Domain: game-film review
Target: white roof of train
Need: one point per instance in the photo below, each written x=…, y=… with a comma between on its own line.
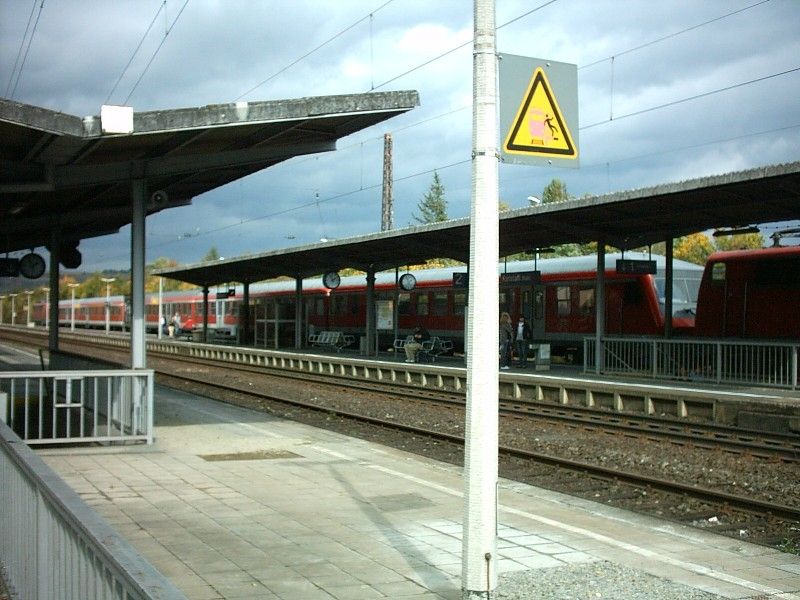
x=561, y=264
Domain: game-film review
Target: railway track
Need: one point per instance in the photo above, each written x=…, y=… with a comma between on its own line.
x=716, y=497
x=708, y=500
x=768, y=445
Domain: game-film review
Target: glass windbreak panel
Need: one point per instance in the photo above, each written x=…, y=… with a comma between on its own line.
x=404, y=304
x=339, y=304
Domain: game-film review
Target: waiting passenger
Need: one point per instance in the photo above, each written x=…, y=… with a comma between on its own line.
x=506, y=339
x=522, y=340
x=413, y=346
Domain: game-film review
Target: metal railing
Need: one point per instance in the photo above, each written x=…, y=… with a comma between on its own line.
x=708, y=361
x=52, y=545
x=78, y=407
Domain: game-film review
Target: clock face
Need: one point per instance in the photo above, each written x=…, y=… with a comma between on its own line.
x=31, y=266
x=408, y=282
x=331, y=280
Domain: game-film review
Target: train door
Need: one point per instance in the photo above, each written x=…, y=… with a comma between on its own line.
x=536, y=317
x=220, y=309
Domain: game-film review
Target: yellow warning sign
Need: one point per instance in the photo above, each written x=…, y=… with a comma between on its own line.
x=539, y=127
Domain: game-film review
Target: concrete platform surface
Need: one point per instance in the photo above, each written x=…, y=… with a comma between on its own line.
x=230, y=503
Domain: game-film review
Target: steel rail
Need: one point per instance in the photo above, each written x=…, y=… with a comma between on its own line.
x=767, y=445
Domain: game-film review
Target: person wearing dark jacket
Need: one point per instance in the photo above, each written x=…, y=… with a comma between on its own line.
x=523, y=339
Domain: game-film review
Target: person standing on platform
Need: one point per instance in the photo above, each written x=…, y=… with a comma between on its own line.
x=506, y=335
x=522, y=340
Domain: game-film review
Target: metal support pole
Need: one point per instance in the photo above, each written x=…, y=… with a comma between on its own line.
x=668, y=277
x=138, y=345
x=298, y=312
x=479, y=548
x=244, y=315
x=205, y=314
x=370, y=349
x=160, y=307
x=600, y=309
x=72, y=307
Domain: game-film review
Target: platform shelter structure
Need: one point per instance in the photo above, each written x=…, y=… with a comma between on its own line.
x=625, y=220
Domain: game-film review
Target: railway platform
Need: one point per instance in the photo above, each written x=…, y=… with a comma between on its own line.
x=230, y=503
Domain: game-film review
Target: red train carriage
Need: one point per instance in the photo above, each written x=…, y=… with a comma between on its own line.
x=751, y=294
x=560, y=306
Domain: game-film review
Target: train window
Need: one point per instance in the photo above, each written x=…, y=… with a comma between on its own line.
x=586, y=301
x=422, y=304
x=718, y=271
x=319, y=307
x=439, y=306
x=563, y=300
x=354, y=302
x=459, y=303
x=404, y=304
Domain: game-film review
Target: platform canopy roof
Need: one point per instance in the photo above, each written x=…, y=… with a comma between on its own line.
x=66, y=172
x=625, y=220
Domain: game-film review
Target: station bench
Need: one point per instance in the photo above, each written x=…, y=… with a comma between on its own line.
x=331, y=339
x=431, y=348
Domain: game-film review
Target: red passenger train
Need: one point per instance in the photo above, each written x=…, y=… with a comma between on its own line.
x=751, y=294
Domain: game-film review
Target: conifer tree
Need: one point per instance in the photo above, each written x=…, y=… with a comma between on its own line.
x=433, y=206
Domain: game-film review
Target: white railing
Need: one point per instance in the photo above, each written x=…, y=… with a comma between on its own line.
x=711, y=361
x=78, y=407
x=52, y=545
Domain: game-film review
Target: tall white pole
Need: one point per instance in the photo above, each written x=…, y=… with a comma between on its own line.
x=72, y=308
x=13, y=308
x=480, y=560
x=46, y=308
x=108, y=281
x=28, y=320
x=2, y=298
x=160, y=305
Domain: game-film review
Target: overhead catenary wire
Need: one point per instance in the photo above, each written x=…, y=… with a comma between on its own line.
x=27, y=50
x=152, y=58
x=317, y=48
x=161, y=7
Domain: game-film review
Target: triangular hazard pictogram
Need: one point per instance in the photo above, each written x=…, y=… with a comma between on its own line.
x=538, y=127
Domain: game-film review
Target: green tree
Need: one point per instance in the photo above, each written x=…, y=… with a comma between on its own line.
x=555, y=191
x=212, y=254
x=433, y=206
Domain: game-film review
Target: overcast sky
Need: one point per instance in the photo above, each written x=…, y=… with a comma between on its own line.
x=694, y=89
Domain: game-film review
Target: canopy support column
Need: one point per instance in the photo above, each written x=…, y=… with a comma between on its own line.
x=138, y=346
x=370, y=349
x=600, y=308
x=298, y=312
x=205, y=314
x=52, y=316
x=669, y=276
x=244, y=316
